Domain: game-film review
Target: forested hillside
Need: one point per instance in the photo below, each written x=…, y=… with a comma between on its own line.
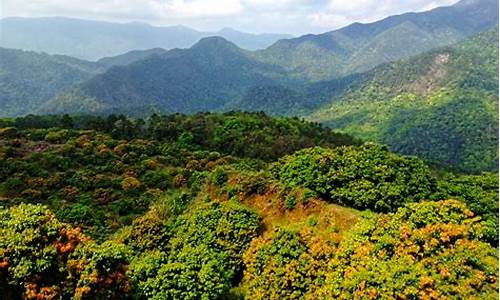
x=205, y=77
x=29, y=79
x=233, y=206
x=360, y=47
x=441, y=105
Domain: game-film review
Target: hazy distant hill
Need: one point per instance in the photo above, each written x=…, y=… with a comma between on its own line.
x=29, y=79
x=129, y=57
x=441, y=105
x=93, y=40
x=204, y=77
x=360, y=47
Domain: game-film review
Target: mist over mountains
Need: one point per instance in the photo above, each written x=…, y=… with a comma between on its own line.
x=93, y=40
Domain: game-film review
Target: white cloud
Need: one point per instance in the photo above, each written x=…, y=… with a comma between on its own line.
x=292, y=16
x=197, y=8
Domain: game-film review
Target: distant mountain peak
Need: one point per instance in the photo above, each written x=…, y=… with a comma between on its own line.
x=228, y=30
x=214, y=42
x=471, y=2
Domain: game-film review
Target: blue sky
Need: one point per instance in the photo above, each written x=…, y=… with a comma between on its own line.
x=284, y=16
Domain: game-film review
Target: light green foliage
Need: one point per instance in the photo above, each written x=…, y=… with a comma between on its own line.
x=287, y=265
x=170, y=188
x=427, y=250
x=204, y=254
x=41, y=258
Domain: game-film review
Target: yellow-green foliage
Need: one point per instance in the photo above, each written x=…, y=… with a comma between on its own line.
x=42, y=258
x=288, y=264
x=204, y=254
x=428, y=250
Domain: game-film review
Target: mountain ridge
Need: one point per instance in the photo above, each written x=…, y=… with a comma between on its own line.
x=78, y=38
x=337, y=53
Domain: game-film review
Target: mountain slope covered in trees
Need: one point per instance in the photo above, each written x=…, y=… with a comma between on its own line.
x=219, y=76
x=441, y=105
x=204, y=77
x=360, y=47
x=29, y=79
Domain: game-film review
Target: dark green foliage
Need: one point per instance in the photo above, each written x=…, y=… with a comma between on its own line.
x=167, y=196
x=29, y=79
x=252, y=135
x=290, y=202
x=219, y=177
x=103, y=179
x=221, y=70
x=462, y=133
x=366, y=177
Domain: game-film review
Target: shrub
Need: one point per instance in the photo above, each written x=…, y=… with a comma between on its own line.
x=367, y=177
x=290, y=202
x=204, y=254
x=425, y=250
x=286, y=265
x=219, y=176
x=130, y=184
x=480, y=192
x=42, y=258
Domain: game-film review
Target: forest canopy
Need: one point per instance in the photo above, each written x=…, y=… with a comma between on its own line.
x=233, y=206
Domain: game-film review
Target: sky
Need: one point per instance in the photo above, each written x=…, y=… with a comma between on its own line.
x=279, y=16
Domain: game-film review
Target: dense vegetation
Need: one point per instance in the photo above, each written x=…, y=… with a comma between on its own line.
x=441, y=106
x=366, y=177
x=29, y=79
x=100, y=181
x=232, y=206
x=423, y=251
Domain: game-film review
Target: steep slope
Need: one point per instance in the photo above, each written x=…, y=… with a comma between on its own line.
x=441, y=105
x=203, y=78
x=93, y=40
x=129, y=57
x=360, y=47
x=29, y=79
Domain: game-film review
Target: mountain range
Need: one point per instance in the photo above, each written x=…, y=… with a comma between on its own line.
x=424, y=83
x=360, y=47
x=93, y=40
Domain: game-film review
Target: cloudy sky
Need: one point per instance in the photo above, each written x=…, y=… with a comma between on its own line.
x=285, y=16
